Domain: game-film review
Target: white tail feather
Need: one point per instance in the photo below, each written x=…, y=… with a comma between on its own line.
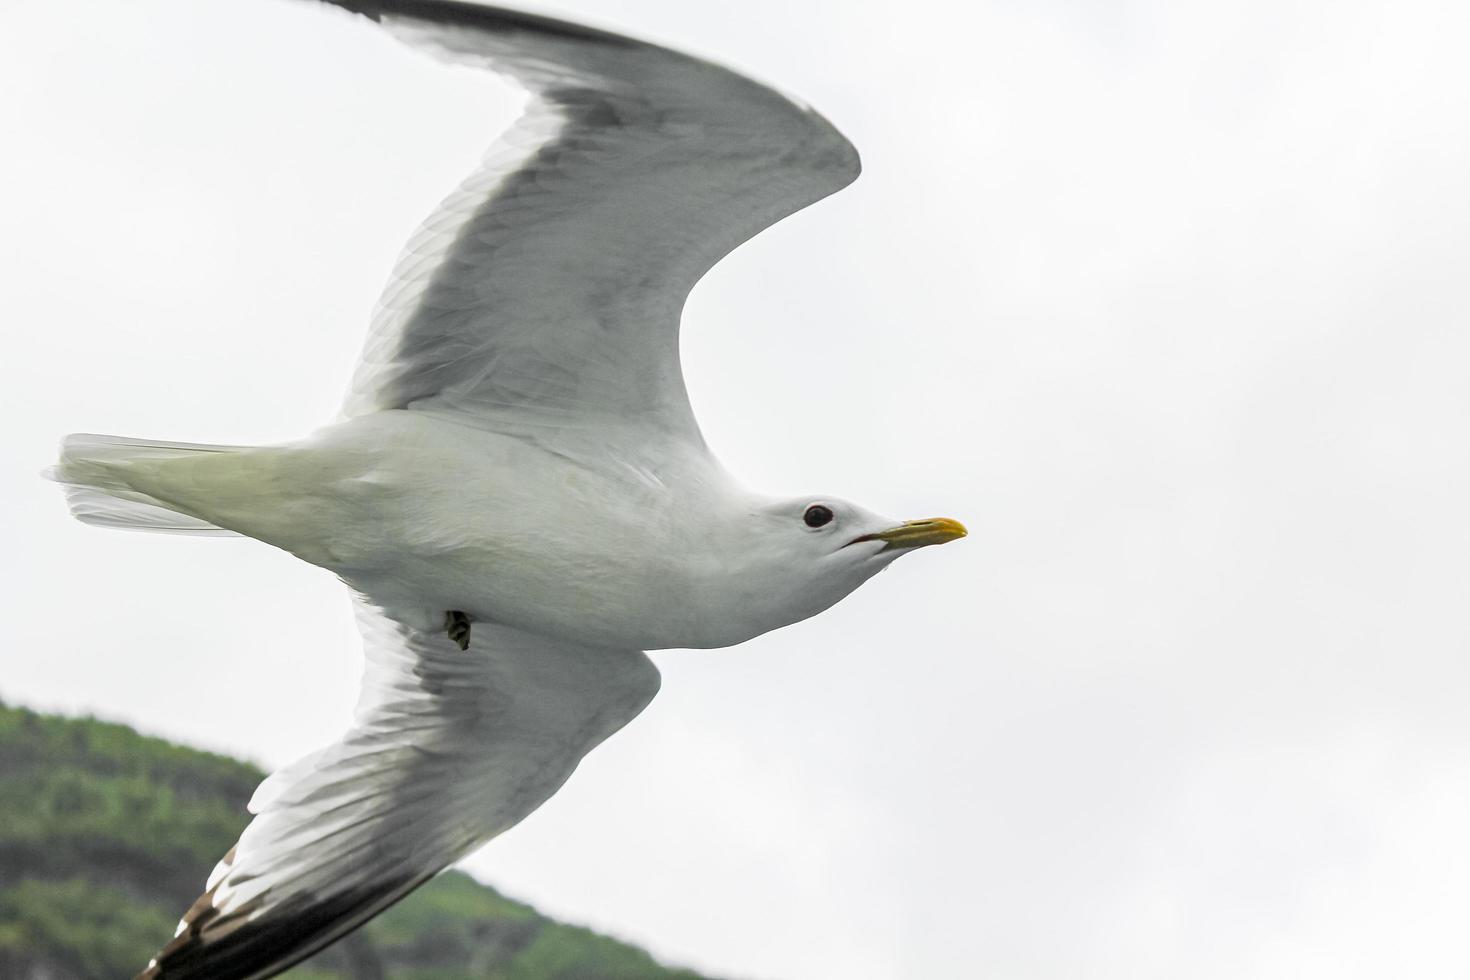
x=92, y=471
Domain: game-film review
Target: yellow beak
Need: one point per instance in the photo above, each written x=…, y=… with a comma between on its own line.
x=917, y=534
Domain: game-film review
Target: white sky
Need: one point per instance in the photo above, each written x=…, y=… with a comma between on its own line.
x=1167, y=301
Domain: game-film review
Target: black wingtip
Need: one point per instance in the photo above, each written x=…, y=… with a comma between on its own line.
x=243, y=947
x=364, y=8
x=480, y=16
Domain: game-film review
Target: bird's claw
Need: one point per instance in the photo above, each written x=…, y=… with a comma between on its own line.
x=457, y=625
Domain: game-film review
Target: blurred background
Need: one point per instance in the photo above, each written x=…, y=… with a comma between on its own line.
x=1168, y=302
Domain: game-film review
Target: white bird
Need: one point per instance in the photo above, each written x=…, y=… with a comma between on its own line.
x=517, y=491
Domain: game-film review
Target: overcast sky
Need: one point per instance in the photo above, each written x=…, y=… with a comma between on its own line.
x=1167, y=301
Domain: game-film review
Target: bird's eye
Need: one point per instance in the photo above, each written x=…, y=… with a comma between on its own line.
x=816, y=515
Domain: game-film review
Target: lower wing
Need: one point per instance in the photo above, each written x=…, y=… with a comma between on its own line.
x=449, y=748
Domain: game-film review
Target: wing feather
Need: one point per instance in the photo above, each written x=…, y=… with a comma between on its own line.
x=448, y=749
x=543, y=297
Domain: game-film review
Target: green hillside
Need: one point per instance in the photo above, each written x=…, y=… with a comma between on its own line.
x=106, y=837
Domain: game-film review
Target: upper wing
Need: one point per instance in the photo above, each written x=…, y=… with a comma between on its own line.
x=545, y=293
x=448, y=749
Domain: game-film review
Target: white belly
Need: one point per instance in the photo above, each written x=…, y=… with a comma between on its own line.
x=419, y=512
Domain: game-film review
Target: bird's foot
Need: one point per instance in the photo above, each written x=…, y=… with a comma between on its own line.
x=457, y=625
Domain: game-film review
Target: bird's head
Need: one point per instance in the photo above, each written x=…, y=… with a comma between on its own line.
x=793, y=558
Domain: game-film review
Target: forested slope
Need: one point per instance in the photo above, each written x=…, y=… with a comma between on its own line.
x=106, y=836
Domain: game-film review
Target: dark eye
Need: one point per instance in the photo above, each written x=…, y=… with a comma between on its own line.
x=816, y=515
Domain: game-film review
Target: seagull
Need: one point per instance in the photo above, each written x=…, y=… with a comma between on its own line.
x=517, y=492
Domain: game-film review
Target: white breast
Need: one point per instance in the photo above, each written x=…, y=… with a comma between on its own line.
x=430, y=513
